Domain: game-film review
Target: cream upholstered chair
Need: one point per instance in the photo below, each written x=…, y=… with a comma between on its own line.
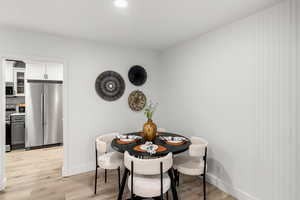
x=193, y=164
x=105, y=158
x=148, y=177
x=161, y=130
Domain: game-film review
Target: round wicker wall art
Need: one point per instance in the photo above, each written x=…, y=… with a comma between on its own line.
x=110, y=85
x=137, y=75
x=137, y=100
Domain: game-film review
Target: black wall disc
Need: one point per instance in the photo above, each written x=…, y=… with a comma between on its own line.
x=137, y=75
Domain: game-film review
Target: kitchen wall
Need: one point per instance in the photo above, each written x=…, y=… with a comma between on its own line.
x=236, y=87
x=88, y=115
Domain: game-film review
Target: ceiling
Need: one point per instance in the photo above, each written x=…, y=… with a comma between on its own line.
x=153, y=24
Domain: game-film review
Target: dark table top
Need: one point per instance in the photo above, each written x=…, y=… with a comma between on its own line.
x=170, y=148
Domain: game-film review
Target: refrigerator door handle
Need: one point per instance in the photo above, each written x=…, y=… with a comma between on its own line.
x=44, y=114
x=42, y=109
x=44, y=117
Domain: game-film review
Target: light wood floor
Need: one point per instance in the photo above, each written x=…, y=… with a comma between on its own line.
x=36, y=175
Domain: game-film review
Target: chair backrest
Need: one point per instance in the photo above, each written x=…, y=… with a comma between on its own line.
x=148, y=166
x=198, y=146
x=161, y=130
x=103, y=142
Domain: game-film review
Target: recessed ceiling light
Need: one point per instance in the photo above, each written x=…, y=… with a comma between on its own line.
x=121, y=3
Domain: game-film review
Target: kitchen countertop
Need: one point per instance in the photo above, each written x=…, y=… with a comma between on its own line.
x=18, y=114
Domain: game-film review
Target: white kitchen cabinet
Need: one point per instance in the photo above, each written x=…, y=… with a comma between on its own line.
x=35, y=71
x=44, y=71
x=9, y=74
x=54, y=71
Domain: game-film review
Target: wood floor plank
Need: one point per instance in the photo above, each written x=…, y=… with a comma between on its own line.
x=36, y=175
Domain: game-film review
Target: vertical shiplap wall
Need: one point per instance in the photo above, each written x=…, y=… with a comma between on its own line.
x=276, y=110
x=237, y=87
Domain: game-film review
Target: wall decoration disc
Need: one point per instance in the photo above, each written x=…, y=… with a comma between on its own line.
x=137, y=75
x=110, y=85
x=137, y=100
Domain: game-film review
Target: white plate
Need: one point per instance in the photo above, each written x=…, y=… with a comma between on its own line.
x=127, y=139
x=174, y=141
x=148, y=147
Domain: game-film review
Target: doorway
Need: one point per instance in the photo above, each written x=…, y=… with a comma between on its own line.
x=34, y=123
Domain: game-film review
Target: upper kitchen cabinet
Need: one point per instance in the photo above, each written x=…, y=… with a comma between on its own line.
x=35, y=70
x=54, y=71
x=44, y=71
x=19, y=81
x=9, y=74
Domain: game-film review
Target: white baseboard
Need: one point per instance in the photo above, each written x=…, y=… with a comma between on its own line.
x=79, y=169
x=228, y=188
x=3, y=184
x=64, y=172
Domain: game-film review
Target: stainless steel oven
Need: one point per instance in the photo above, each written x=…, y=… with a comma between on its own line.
x=10, y=109
x=8, y=136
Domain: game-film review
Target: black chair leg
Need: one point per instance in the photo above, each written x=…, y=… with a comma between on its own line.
x=96, y=176
x=105, y=175
x=177, y=178
x=167, y=194
x=204, y=187
x=119, y=180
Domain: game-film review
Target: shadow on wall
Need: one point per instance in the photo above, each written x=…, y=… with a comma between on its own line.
x=221, y=176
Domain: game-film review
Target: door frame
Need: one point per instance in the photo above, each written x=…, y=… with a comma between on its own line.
x=3, y=57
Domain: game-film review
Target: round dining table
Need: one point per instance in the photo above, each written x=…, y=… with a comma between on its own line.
x=166, y=147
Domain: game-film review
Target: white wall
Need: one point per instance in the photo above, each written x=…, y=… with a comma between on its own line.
x=236, y=87
x=88, y=115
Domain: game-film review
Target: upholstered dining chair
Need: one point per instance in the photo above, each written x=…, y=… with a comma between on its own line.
x=106, y=158
x=148, y=177
x=193, y=164
x=161, y=130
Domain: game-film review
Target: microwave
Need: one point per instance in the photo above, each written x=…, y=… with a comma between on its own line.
x=9, y=90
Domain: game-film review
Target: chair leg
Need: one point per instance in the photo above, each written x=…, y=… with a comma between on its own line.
x=177, y=178
x=167, y=194
x=96, y=176
x=105, y=180
x=204, y=187
x=119, y=181
x=132, y=173
x=161, y=182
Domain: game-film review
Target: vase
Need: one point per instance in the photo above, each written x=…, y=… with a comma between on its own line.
x=150, y=130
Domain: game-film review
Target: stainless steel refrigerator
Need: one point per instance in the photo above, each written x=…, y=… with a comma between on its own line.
x=44, y=124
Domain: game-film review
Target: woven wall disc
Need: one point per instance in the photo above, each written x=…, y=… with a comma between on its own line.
x=110, y=85
x=137, y=100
